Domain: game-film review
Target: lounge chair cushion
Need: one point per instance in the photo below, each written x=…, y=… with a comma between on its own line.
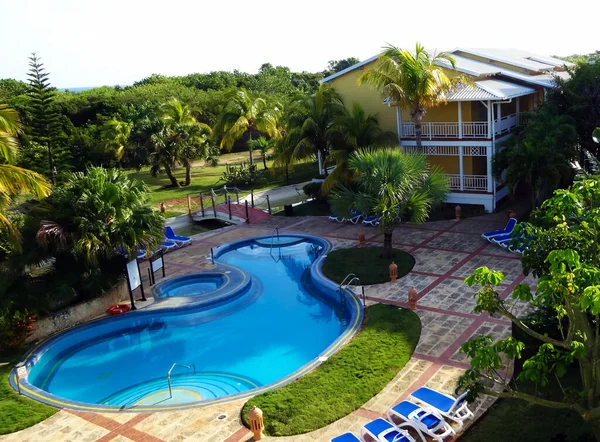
x=405, y=408
x=346, y=437
x=379, y=426
x=434, y=398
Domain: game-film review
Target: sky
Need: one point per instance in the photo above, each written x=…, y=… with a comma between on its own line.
x=94, y=43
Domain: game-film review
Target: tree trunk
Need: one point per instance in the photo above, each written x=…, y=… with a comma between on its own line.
x=265, y=161
x=287, y=172
x=418, y=132
x=188, y=174
x=50, y=163
x=323, y=158
x=169, y=173
x=250, y=148
x=387, y=242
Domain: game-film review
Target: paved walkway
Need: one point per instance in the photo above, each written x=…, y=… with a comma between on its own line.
x=445, y=252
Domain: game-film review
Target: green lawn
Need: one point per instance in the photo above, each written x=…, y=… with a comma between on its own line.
x=206, y=177
x=366, y=263
x=310, y=208
x=347, y=380
x=18, y=412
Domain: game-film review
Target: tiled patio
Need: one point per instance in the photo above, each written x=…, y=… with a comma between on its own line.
x=445, y=252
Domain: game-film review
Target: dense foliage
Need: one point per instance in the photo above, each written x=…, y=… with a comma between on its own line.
x=562, y=241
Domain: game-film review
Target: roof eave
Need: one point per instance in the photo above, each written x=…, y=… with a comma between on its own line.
x=349, y=69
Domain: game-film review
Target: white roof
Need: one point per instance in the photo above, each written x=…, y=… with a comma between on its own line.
x=491, y=89
x=545, y=66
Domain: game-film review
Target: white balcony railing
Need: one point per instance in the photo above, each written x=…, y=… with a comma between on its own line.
x=429, y=130
x=477, y=183
x=505, y=124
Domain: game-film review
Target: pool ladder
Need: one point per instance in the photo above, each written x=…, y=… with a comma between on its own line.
x=193, y=366
x=275, y=231
x=348, y=281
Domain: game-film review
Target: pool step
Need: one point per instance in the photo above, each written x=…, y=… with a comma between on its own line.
x=186, y=388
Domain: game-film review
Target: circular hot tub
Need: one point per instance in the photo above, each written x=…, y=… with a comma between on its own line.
x=191, y=285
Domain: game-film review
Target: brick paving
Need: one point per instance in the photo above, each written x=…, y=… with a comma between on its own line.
x=445, y=253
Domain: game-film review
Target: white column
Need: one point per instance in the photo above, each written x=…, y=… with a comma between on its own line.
x=499, y=117
x=518, y=110
x=399, y=124
x=460, y=121
x=461, y=168
x=489, y=150
x=321, y=172
x=489, y=115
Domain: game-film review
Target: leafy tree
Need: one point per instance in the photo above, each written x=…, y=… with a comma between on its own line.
x=245, y=113
x=562, y=243
x=14, y=179
x=262, y=145
x=310, y=121
x=10, y=89
x=396, y=186
x=45, y=119
x=579, y=98
x=415, y=81
x=339, y=65
x=540, y=155
x=350, y=132
x=93, y=214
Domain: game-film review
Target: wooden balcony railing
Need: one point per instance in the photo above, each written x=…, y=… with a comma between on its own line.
x=430, y=130
x=477, y=183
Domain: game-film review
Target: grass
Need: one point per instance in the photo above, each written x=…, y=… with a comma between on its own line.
x=18, y=412
x=366, y=263
x=310, y=208
x=511, y=419
x=347, y=380
x=206, y=177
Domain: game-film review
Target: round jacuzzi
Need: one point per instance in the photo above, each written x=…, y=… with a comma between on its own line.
x=191, y=285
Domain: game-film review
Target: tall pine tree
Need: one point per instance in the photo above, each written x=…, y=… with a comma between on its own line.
x=45, y=118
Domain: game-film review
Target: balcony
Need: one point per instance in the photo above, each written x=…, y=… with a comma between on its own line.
x=474, y=183
x=455, y=130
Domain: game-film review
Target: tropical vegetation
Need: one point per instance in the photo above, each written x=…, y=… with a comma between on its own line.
x=393, y=185
x=562, y=251
x=347, y=380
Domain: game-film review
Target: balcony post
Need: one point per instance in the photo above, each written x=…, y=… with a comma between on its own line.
x=460, y=121
x=490, y=182
x=489, y=119
x=399, y=124
x=461, y=168
x=499, y=118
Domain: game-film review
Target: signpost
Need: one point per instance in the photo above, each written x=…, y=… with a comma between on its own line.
x=157, y=262
x=134, y=280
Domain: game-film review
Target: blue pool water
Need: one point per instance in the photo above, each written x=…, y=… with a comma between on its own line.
x=192, y=285
x=282, y=321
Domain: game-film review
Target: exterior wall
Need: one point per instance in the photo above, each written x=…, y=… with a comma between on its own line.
x=370, y=100
x=79, y=313
x=447, y=163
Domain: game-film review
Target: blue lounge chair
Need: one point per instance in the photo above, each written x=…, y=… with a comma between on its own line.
x=141, y=253
x=346, y=437
x=448, y=406
x=505, y=239
x=510, y=225
x=355, y=217
x=180, y=240
x=372, y=220
x=336, y=218
x=427, y=421
x=168, y=245
x=383, y=431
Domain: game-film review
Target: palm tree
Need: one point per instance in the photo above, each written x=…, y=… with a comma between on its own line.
x=416, y=81
x=396, y=186
x=311, y=119
x=14, y=179
x=284, y=153
x=262, y=145
x=244, y=113
x=184, y=130
x=352, y=131
x=165, y=152
x=115, y=134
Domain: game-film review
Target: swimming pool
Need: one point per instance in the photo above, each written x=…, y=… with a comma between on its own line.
x=276, y=318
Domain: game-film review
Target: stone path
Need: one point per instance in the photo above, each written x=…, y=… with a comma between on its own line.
x=445, y=253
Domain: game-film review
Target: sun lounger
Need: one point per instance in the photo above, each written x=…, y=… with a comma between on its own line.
x=372, y=220
x=355, y=218
x=180, y=240
x=510, y=225
x=168, y=245
x=448, y=406
x=383, y=431
x=346, y=437
x=428, y=421
x=141, y=253
x=336, y=218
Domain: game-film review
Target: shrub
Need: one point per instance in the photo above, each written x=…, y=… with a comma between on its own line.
x=313, y=190
x=242, y=175
x=14, y=328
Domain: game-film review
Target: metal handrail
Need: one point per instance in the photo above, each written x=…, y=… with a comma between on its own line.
x=349, y=275
x=169, y=376
x=349, y=283
x=275, y=230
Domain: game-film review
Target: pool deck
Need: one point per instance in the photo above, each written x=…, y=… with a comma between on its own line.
x=445, y=253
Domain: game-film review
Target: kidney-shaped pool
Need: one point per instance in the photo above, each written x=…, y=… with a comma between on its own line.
x=277, y=318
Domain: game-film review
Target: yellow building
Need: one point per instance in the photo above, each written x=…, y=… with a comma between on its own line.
x=462, y=135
